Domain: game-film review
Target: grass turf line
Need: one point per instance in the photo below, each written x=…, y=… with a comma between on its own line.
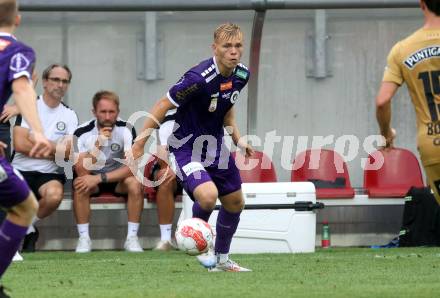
x=342, y=272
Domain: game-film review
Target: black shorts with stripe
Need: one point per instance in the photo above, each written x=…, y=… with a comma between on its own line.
x=36, y=179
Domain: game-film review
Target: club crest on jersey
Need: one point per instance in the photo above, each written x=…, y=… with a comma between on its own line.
x=115, y=147
x=61, y=126
x=4, y=44
x=213, y=104
x=234, y=96
x=19, y=63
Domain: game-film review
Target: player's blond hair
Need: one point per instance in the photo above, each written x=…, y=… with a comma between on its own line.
x=8, y=11
x=227, y=31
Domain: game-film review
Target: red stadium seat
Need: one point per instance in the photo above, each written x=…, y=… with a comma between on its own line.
x=323, y=165
x=257, y=168
x=150, y=192
x=400, y=171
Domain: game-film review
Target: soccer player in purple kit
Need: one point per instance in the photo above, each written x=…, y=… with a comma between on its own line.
x=205, y=98
x=16, y=64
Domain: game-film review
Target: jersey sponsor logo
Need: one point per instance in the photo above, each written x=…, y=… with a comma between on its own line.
x=421, y=55
x=213, y=104
x=211, y=77
x=241, y=74
x=19, y=63
x=61, y=126
x=4, y=44
x=115, y=147
x=3, y=174
x=206, y=71
x=192, y=167
x=181, y=95
x=226, y=86
x=234, y=96
x=226, y=95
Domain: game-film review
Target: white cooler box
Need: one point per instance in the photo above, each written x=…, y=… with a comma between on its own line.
x=278, y=218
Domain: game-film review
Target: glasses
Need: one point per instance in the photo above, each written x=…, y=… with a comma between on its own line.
x=58, y=80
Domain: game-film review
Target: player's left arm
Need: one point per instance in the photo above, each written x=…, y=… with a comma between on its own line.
x=23, y=142
x=383, y=111
x=231, y=126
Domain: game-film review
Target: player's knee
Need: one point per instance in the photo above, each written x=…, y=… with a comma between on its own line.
x=54, y=194
x=234, y=206
x=134, y=187
x=207, y=199
x=26, y=210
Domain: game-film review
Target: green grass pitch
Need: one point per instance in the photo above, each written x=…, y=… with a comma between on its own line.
x=339, y=272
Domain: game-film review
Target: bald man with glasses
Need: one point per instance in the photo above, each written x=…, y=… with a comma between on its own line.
x=45, y=178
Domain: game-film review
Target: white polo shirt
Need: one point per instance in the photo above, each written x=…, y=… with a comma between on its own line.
x=123, y=134
x=57, y=123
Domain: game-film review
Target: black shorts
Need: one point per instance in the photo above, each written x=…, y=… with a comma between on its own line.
x=36, y=179
x=110, y=187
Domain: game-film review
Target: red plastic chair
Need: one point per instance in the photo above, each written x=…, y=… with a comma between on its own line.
x=257, y=168
x=400, y=170
x=325, y=165
x=150, y=192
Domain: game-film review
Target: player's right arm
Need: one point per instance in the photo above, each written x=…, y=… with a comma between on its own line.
x=157, y=114
x=24, y=96
x=383, y=111
x=392, y=79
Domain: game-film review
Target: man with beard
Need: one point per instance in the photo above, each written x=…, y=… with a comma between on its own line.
x=100, y=143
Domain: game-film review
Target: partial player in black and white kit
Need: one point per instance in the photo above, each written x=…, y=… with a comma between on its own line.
x=168, y=188
x=101, y=143
x=43, y=175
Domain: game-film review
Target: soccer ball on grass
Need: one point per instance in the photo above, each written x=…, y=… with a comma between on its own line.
x=194, y=236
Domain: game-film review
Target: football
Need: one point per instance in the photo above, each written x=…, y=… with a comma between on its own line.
x=194, y=236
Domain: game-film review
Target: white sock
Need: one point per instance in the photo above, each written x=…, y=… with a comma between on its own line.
x=133, y=228
x=165, y=232
x=83, y=230
x=31, y=228
x=222, y=258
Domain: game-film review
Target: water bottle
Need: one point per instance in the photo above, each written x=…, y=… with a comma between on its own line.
x=325, y=239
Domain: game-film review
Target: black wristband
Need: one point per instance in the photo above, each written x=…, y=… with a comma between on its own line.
x=103, y=178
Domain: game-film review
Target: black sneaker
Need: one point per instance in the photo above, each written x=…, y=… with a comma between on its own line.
x=30, y=240
x=2, y=293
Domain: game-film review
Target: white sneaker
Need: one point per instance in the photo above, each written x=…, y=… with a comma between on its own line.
x=17, y=257
x=208, y=259
x=84, y=245
x=164, y=245
x=228, y=266
x=132, y=244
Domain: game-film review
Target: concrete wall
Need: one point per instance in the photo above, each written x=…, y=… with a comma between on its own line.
x=100, y=48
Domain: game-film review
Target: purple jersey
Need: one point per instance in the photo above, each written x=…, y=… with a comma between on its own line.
x=203, y=97
x=16, y=60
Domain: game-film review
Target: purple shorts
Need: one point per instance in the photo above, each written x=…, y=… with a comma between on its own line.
x=13, y=189
x=192, y=173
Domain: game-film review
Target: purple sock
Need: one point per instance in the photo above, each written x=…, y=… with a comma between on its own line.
x=10, y=238
x=226, y=226
x=200, y=213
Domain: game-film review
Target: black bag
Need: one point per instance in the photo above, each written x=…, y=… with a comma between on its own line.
x=421, y=219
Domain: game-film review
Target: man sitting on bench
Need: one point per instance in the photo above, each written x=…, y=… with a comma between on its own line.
x=100, y=142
